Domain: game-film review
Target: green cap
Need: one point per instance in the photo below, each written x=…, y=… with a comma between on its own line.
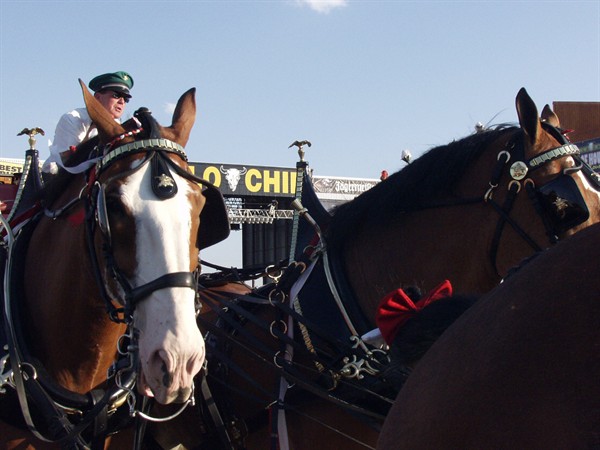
x=117, y=81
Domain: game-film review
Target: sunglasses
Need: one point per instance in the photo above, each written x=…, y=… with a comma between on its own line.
x=117, y=95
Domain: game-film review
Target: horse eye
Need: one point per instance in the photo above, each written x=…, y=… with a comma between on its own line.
x=114, y=206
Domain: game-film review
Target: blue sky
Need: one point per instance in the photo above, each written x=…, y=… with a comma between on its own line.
x=362, y=80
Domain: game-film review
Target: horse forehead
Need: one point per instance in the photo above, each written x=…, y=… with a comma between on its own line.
x=136, y=193
x=545, y=142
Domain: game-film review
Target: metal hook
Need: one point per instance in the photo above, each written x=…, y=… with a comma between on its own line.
x=569, y=170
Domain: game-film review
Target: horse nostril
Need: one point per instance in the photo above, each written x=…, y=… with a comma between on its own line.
x=194, y=364
x=162, y=359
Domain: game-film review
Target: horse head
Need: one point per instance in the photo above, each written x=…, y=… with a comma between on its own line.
x=466, y=211
x=563, y=190
x=148, y=210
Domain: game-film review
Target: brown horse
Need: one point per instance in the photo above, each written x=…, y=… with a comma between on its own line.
x=464, y=212
x=520, y=369
x=468, y=212
x=104, y=283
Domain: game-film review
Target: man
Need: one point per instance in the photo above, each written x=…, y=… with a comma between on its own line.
x=112, y=90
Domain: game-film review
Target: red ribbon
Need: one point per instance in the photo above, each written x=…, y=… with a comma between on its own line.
x=397, y=308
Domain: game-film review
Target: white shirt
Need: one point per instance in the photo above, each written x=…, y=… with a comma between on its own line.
x=72, y=129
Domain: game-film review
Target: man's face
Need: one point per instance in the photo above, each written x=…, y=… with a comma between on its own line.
x=113, y=102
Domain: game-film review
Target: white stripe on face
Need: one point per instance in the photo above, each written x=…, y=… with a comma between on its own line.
x=590, y=194
x=171, y=346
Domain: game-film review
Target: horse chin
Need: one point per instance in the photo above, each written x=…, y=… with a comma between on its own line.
x=162, y=395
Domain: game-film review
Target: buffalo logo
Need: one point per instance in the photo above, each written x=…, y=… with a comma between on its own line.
x=233, y=176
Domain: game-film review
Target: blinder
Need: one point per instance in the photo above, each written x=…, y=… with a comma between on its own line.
x=102, y=212
x=561, y=198
x=214, y=220
x=563, y=203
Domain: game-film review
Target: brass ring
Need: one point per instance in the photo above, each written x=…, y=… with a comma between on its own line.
x=277, y=355
x=504, y=152
x=512, y=183
x=271, y=327
x=272, y=296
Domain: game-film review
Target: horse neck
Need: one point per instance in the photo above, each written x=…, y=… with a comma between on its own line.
x=423, y=247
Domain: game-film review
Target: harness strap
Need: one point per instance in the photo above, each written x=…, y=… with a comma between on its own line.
x=55, y=213
x=100, y=427
x=26, y=384
x=90, y=228
x=506, y=208
x=540, y=210
x=295, y=378
x=141, y=424
x=552, y=154
x=590, y=174
x=140, y=146
x=503, y=158
x=214, y=414
x=169, y=280
x=291, y=375
x=250, y=339
x=515, y=226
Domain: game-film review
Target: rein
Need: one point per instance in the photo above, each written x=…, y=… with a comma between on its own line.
x=235, y=312
x=342, y=368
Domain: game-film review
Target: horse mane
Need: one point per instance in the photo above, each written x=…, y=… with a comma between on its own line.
x=434, y=175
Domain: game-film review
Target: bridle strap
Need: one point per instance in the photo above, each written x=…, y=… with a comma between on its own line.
x=133, y=295
x=552, y=154
x=530, y=188
x=504, y=213
x=169, y=280
x=140, y=146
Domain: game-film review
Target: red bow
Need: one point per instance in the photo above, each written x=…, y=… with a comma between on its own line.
x=396, y=308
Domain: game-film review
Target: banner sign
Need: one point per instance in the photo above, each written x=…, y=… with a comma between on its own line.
x=246, y=180
x=590, y=152
x=339, y=188
x=9, y=166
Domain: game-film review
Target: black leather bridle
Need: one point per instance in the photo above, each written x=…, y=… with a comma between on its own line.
x=559, y=202
x=156, y=151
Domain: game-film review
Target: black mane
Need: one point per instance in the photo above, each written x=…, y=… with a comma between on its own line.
x=432, y=176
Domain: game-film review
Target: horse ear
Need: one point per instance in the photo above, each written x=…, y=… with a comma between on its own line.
x=106, y=124
x=550, y=117
x=528, y=116
x=183, y=119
